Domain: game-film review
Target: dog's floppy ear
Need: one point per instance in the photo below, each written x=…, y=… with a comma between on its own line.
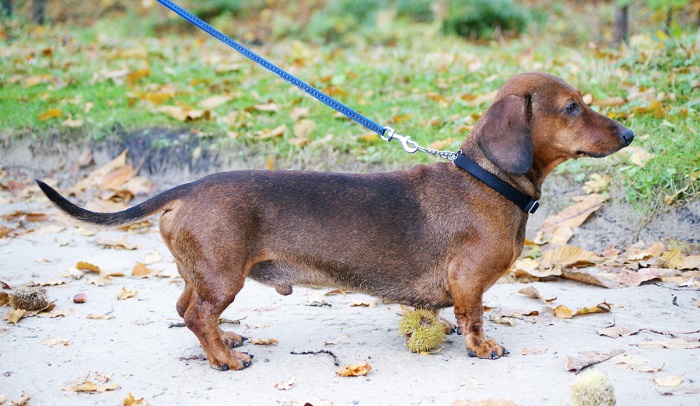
x=504, y=135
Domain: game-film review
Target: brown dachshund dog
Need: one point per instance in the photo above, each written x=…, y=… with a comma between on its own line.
x=431, y=237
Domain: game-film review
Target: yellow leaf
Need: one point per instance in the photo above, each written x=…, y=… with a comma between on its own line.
x=369, y=137
x=597, y=183
x=442, y=144
x=354, y=370
x=14, y=315
x=133, y=76
x=563, y=312
x=271, y=163
x=131, y=401
x=690, y=262
x=126, y=294
x=269, y=341
x=672, y=259
x=50, y=113
x=142, y=271
x=670, y=381
x=156, y=97
x=600, y=308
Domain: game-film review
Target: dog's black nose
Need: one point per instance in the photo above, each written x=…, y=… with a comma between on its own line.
x=628, y=136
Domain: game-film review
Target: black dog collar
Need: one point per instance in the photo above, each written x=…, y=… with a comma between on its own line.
x=525, y=202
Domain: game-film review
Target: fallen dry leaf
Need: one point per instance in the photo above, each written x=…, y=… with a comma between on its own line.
x=599, y=308
x=95, y=177
x=638, y=156
x=637, y=363
x=670, y=381
x=130, y=400
x=617, y=331
x=341, y=339
x=22, y=400
x=51, y=342
x=499, y=318
x=142, y=271
x=214, y=101
x=15, y=315
x=568, y=255
x=592, y=276
x=52, y=313
x=674, y=344
x=597, y=183
x=360, y=369
x=558, y=229
x=563, y=312
x=93, y=383
x=363, y=303
x=86, y=266
x=532, y=292
x=534, y=351
x=99, y=316
x=126, y=294
x=120, y=244
x=269, y=341
x=285, y=385
x=50, y=113
x=586, y=359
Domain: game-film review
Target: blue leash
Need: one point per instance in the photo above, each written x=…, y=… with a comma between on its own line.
x=386, y=133
x=525, y=202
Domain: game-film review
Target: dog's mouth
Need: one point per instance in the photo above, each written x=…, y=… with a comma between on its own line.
x=587, y=154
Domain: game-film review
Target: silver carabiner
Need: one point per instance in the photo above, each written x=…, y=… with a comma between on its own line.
x=407, y=143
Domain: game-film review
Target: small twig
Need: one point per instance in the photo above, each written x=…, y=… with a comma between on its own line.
x=335, y=359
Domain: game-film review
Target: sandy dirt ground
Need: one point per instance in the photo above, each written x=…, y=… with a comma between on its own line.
x=146, y=356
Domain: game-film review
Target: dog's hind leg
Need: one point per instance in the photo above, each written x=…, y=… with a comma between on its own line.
x=202, y=318
x=232, y=340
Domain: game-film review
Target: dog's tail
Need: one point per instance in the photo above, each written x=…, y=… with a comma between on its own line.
x=131, y=215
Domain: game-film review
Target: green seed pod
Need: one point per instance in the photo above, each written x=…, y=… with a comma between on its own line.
x=592, y=388
x=29, y=298
x=422, y=329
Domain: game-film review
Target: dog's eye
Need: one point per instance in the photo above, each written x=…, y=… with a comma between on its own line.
x=571, y=108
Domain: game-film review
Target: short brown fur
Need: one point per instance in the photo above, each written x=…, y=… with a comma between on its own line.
x=431, y=236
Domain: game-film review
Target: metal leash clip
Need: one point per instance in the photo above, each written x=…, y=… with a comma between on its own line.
x=408, y=144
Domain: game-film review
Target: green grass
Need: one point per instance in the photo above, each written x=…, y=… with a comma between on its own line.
x=418, y=81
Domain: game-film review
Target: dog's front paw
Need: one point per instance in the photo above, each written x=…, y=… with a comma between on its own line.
x=489, y=349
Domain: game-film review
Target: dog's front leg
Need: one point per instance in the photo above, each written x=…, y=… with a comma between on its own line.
x=467, y=289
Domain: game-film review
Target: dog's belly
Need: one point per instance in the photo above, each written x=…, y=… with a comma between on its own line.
x=283, y=275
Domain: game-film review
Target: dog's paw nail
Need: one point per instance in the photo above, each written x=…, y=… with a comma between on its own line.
x=224, y=367
x=244, y=339
x=506, y=352
x=471, y=353
x=246, y=364
x=494, y=355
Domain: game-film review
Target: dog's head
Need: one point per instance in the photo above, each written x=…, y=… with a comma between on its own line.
x=539, y=121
